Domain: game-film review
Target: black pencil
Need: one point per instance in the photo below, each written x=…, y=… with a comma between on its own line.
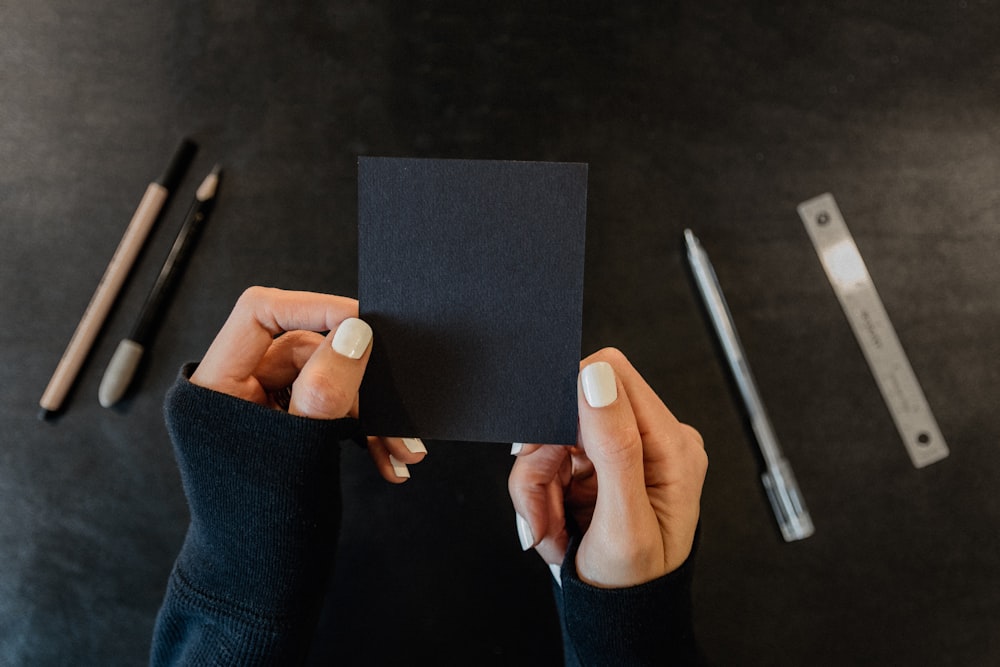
x=127, y=356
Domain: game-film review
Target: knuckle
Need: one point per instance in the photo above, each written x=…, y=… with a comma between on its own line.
x=689, y=451
x=259, y=302
x=320, y=396
x=694, y=435
x=698, y=453
x=620, y=447
x=255, y=299
x=254, y=294
x=515, y=482
x=523, y=479
x=632, y=554
x=701, y=464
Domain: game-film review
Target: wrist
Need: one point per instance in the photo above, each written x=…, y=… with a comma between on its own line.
x=263, y=491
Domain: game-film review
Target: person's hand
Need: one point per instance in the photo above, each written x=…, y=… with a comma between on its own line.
x=631, y=487
x=269, y=352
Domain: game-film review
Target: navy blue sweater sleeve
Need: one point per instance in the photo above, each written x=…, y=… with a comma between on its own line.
x=649, y=624
x=264, y=496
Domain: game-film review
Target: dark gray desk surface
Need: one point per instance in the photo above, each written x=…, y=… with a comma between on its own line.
x=721, y=116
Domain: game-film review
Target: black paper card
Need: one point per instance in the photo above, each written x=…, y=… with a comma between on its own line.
x=471, y=276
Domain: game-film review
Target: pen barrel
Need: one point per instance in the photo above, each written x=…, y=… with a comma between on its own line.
x=167, y=279
x=767, y=441
x=779, y=481
x=725, y=330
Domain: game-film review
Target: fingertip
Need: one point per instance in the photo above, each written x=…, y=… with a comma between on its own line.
x=415, y=445
x=524, y=533
x=406, y=451
x=352, y=338
x=600, y=387
x=399, y=469
x=391, y=468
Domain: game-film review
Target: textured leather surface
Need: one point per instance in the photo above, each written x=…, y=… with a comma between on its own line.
x=720, y=116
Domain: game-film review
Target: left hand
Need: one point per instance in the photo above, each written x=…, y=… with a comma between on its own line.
x=270, y=343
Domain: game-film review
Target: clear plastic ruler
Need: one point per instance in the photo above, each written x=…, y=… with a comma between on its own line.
x=878, y=340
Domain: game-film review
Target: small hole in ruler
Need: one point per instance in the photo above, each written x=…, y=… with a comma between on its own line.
x=823, y=218
x=924, y=438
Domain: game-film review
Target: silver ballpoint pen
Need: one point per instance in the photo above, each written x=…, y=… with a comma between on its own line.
x=779, y=482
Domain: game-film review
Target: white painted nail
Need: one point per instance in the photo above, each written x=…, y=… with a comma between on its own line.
x=399, y=468
x=556, y=571
x=352, y=338
x=515, y=448
x=524, y=533
x=599, y=388
x=415, y=445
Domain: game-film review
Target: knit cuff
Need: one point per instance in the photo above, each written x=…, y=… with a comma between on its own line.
x=639, y=625
x=264, y=494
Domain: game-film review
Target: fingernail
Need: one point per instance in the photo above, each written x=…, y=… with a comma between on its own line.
x=515, y=448
x=399, y=468
x=599, y=388
x=352, y=338
x=414, y=445
x=556, y=571
x=524, y=533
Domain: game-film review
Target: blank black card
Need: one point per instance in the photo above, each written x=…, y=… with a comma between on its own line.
x=471, y=276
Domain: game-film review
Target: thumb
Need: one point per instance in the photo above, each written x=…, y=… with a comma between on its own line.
x=610, y=435
x=622, y=544
x=327, y=386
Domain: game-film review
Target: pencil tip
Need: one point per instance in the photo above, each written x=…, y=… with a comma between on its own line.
x=208, y=187
x=43, y=414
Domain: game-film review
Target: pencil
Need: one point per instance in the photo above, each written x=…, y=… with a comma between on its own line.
x=129, y=352
x=143, y=220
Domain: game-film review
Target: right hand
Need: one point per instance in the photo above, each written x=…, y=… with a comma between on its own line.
x=632, y=485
